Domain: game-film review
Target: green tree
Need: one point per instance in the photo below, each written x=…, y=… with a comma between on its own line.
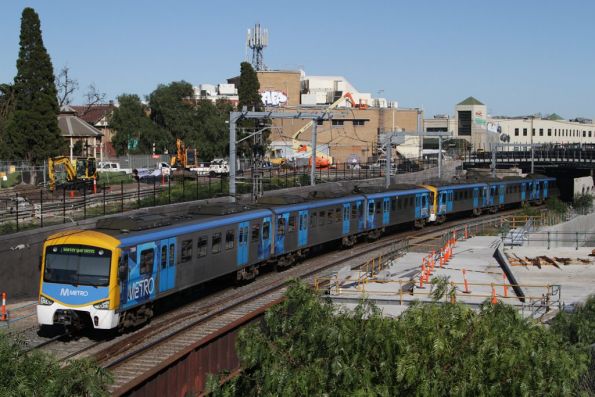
x=305, y=346
x=249, y=96
x=32, y=131
x=172, y=110
x=248, y=88
x=39, y=374
x=134, y=131
x=6, y=110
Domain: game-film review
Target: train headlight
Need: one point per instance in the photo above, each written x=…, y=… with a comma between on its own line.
x=102, y=305
x=45, y=301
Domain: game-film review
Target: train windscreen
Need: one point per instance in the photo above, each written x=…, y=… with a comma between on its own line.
x=77, y=265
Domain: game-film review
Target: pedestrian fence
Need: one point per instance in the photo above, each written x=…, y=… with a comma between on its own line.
x=16, y=313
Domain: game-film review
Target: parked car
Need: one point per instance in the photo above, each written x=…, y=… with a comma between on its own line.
x=111, y=166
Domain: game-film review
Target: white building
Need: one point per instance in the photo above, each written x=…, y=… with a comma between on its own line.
x=324, y=90
x=472, y=123
x=217, y=92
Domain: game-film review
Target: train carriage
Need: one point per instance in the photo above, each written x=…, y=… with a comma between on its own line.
x=110, y=277
x=399, y=204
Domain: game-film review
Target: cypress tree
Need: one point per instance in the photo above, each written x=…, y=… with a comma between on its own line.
x=32, y=131
x=248, y=88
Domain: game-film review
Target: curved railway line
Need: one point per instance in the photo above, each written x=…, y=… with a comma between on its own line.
x=131, y=356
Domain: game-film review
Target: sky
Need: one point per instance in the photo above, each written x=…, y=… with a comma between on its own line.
x=517, y=57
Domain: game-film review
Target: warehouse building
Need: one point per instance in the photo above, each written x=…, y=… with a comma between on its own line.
x=352, y=133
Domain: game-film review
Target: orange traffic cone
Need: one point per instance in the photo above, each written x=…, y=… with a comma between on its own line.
x=494, y=300
x=465, y=283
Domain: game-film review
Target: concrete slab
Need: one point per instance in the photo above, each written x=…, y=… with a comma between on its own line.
x=576, y=281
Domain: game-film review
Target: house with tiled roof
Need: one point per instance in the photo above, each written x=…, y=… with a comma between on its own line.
x=98, y=116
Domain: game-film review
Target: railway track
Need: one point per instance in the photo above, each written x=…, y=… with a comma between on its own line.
x=147, y=348
x=145, y=351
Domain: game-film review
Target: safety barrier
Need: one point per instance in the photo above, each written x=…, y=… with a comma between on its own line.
x=3, y=313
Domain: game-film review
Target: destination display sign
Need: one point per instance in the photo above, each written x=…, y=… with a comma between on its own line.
x=78, y=250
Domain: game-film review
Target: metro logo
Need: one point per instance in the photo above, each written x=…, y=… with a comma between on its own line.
x=141, y=289
x=72, y=292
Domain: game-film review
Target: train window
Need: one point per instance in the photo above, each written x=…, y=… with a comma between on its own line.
x=353, y=211
x=378, y=209
x=337, y=215
x=146, y=261
x=216, y=243
x=163, y=256
x=399, y=206
x=186, y=250
x=172, y=254
x=281, y=226
x=371, y=208
x=291, y=224
x=313, y=220
x=202, y=246
x=255, y=232
x=321, y=218
x=411, y=201
x=329, y=216
x=466, y=196
x=393, y=204
x=265, y=231
x=230, y=237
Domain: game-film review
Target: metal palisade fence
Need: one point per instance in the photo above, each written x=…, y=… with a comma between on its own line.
x=26, y=206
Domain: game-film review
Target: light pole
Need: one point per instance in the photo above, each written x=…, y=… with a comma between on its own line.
x=532, y=150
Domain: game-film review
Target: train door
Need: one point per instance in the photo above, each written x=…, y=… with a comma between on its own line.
x=142, y=269
x=346, y=214
x=242, y=249
x=417, y=206
x=385, y=210
x=264, y=246
x=501, y=191
x=523, y=191
x=371, y=212
x=360, y=216
x=449, y=201
x=167, y=264
x=282, y=220
x=537, y=190
x=545, y=192
x=303, y=228
x=493, y=194
x=425, y=201
x=484, y=197
x=475, y=197
x=441, y=203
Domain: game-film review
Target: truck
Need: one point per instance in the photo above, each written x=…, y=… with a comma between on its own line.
x=112, y=166
x=219, y=167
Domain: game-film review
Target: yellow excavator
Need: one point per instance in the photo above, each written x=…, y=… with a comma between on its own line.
x=322, y=160
x=185, y=158
x=81, y=171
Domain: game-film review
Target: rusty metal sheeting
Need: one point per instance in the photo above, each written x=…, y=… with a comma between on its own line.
x=186, y=372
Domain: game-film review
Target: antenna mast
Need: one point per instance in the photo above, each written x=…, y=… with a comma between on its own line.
x=257, y=39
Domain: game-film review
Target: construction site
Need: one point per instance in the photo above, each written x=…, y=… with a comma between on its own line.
x=534, y=264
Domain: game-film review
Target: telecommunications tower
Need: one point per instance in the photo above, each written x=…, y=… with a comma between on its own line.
x=257, y=39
